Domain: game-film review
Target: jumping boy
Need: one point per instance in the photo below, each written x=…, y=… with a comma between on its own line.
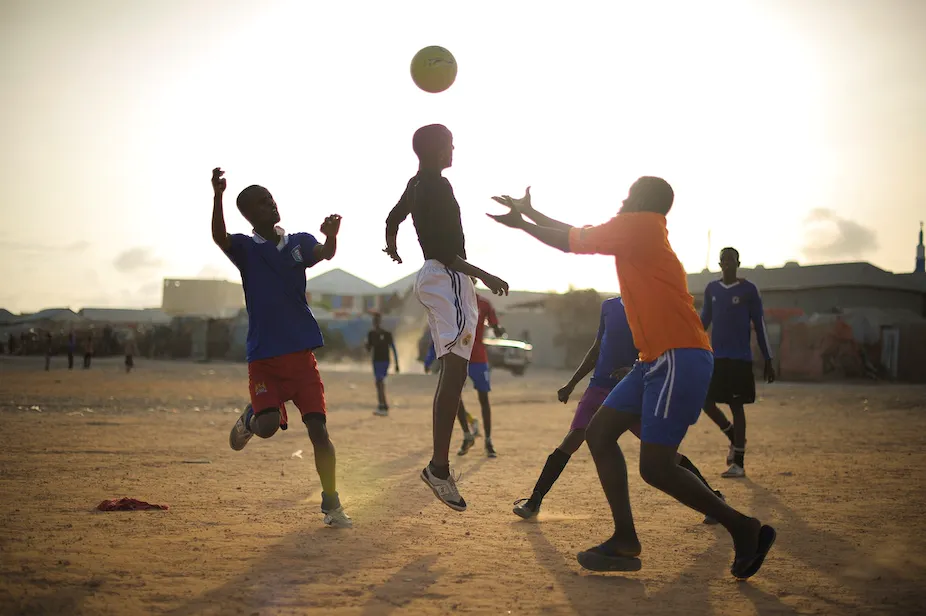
x=665, y=389
x=730, y=304
x=282, y=331
x=612, y=356
x=445, y=287
x=380, y=342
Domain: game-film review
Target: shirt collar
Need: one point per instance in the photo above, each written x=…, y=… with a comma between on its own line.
x=281, y=233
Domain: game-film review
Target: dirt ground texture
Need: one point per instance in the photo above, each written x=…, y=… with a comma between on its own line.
x=838, y=469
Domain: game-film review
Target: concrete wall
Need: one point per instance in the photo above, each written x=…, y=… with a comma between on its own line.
x=210, y=298
x=824, y=300
x=542, y=330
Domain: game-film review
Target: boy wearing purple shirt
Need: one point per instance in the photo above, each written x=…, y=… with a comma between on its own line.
x=731, y=304
x=282, y=331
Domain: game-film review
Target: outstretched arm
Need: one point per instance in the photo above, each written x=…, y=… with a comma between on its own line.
x=219, y=233
x=555, y=238
x=525, y=206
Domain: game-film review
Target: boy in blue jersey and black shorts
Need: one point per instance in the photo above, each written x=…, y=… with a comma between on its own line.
x=730, y=305
x=612, y=356
x=282, y=331
x=380, y=342
x=445, y=287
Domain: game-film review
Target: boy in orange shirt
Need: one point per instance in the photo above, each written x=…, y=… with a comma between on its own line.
x=666, y=387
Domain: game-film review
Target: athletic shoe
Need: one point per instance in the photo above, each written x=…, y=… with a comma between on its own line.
x=474, y=427
x=526, y=508
x=381, y=412
x=337, y=518
x=468, y=442
x=734, y=472
x=490, y=450
x=240, y=435
x=444, y=489
x=708, y=519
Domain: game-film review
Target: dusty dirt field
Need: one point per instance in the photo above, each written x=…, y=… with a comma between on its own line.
x=840, y=470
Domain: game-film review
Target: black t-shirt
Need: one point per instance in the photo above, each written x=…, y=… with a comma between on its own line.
x=429, y=198
x=381, y=342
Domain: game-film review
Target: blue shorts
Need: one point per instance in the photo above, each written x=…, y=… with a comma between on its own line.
x=380, y=368
x=479, y=373
x=667, y=394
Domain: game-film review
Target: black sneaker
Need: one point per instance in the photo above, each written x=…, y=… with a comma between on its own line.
x=468, y=442
x=490, y=450
x=526, y=508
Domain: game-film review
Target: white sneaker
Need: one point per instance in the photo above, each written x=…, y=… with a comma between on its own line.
x=337, y=518
x=474, y=428
x=381, y=412
x=444, y=489
x=240, y=435
x=734, y=472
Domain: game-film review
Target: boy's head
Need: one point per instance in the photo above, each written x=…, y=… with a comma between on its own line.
x=433, y=145
x=377, y=320
x=649, y=194
x=729, y=261
x=257, y=206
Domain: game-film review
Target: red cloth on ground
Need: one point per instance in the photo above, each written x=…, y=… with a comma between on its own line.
x=128, y=504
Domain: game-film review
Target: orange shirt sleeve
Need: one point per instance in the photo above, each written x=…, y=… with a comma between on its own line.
x=631, y=232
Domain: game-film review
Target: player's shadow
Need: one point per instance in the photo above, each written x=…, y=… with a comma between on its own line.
x=587, y=594
x=407, y=584
x=63, y=601
x=303, y=556
x=835, y=555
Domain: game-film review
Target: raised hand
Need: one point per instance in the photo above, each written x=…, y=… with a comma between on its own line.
x=331, y=225
x=511, y=219
x=523, y=204
x=218, y=182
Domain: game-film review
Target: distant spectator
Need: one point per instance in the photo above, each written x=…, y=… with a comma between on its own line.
x=72, y=345
x=48, y=351
x=88, y=351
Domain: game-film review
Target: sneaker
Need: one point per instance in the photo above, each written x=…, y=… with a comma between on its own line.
x=337, y=518
x=734, y=472
x=526, y=508
x=474, y=426
x=490, y=450
x=444, y=489
x=240, y=434
x=468, y=442
x=708, y=519
x=382, y=412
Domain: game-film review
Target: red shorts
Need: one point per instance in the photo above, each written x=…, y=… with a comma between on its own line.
x=293, y=377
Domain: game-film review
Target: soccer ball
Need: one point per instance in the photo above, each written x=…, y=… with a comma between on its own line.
x=434, y=69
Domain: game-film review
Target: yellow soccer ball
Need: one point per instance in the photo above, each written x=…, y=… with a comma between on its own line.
x=434, y=69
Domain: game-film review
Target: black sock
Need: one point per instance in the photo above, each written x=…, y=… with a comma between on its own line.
x=738, y=455
x=556, y=462
x=440, y=471
x=330, y=502
x=689, y=466
x=729, y=432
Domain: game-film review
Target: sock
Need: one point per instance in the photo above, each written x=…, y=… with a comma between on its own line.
x=330, y=502
x=738, y=454
x=441, y=472
x=247, y=419
x=729, y=432
x=689, y=466
x=556, y=462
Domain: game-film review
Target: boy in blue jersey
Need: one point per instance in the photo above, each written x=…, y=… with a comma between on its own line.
x=282, y=331
x=612, y=356
x=730, y=305
x=380, y=342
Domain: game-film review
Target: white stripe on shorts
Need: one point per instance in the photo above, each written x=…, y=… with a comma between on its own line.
x=668, y=384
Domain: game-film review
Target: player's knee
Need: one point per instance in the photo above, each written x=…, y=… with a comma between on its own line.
x=597, y=435
x=266, y=423
x=318, y=430
x=654, y=471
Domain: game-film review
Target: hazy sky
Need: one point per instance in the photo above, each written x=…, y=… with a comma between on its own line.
x=791, y=129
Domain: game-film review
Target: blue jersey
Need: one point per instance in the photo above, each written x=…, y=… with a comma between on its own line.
x=279, y=319
x=616, y=348
x=730, y=309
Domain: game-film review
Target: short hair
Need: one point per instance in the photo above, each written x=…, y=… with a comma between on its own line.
x=246, y=195
x=657, y=194
x=428, y=139
x=733, y=250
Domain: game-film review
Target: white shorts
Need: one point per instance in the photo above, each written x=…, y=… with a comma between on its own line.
x=450, y=298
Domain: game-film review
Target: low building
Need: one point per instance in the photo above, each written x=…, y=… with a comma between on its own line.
x=217, y=299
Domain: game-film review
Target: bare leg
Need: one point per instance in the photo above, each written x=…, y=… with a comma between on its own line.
x=381, y=393
x=461, y=417
x=602, y=434
x=739, y=433
x=446, y=405
x=325, y=461
x=486, y=413
x=718, y=417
